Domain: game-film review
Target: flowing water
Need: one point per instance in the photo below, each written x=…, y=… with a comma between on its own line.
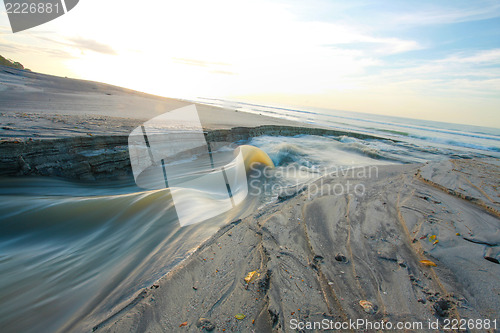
x=430, y=137
x=72, y=253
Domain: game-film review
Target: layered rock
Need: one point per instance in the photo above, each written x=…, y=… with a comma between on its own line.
x=106, y=157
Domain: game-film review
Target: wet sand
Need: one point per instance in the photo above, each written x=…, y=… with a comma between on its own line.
x=318, y=254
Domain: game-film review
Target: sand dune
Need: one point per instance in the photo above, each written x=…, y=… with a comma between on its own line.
x=35, y=106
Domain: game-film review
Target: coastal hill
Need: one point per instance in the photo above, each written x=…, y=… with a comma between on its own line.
x=10, y=63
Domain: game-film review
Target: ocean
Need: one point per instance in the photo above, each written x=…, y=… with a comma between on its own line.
x=73, y=252
x=421, y=140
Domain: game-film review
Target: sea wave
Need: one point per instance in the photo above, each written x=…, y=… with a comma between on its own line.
x=456, y=143
x=287, y=153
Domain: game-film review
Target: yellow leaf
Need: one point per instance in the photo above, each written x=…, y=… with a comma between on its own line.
x=428, y=263
x=432, y=238
x=251, y=276
x=240, y=316
x=368, y=306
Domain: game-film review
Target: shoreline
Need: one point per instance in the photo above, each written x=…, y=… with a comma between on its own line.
x=75, y=129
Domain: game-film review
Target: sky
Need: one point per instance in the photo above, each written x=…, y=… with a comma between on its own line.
x=435, y=60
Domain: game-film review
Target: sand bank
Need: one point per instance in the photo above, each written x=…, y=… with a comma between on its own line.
x=319, y=254
x=42, y=106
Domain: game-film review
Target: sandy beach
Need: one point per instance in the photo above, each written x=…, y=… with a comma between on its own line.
x=35, y=106
x=319, y=254
x=250, y=166
x=385, y=242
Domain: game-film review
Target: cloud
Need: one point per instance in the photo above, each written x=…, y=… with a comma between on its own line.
x=4, y=29
x=10, y=44
x=471, y=74
x=91, y=45
x=82, y=44
x=480, y=57
x=11, y=48
x=379, y=46
x=447, y=15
